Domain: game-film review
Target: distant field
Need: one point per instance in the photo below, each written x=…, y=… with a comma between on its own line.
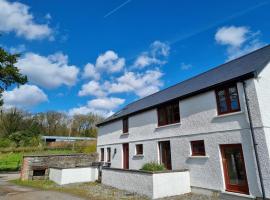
x=11, y=161
x=11, y=158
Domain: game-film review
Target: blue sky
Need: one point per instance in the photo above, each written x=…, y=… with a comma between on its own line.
x=98, y=56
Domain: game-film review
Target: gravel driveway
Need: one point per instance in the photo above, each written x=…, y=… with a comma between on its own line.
x=9, y=191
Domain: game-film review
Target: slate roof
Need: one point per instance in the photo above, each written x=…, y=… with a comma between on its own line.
x=241, y=68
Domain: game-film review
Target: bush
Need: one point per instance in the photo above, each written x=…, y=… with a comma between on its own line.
x=153, y=167
x=5, y=142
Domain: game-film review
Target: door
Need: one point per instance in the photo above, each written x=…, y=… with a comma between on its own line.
x=234, y=168
x=165, y=154
x=126, y=156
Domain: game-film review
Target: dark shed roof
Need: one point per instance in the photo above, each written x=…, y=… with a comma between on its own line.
x=239, y=69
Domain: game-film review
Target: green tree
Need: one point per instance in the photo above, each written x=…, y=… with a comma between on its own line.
x=9, y=73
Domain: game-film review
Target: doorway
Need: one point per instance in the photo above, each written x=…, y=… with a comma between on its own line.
x=234, y=168
x=165, y=154
x=126, y=156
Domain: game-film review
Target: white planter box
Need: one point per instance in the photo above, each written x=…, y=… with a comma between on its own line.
x=73, y=175
x=153, y=185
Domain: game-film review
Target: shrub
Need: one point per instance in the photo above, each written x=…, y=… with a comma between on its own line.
x=5, y=142
x=153, y=167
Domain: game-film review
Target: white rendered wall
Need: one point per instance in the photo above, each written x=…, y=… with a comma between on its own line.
x=170, y=184
x=262, y=85
x=199, y=120
x=133, y=182
x=152, y=185
x=73, y=175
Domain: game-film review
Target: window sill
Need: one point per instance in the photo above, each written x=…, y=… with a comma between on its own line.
x=229, y=114
x=169, y=125
x=124, y=135
x=139, y=156
x=204, y=157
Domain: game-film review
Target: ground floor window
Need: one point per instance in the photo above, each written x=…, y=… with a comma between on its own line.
x=197, y=148
x=108, y=154
x=139, y=149
x=102, y=154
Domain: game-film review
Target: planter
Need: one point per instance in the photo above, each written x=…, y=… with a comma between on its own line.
x=154, y=185
x=63, y=176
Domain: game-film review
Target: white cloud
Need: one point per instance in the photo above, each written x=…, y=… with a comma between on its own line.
x=17, y=49
x=144, y=60
x=90, y=72
x=110, y=62
x=142, y=84
x=231, y=35
x=50, y=72
x=239, y=40
x=25, y=96
x=185, y=66
x=159, y=48
x=84, y=110
x=92, y=88
x=15, y=17
x=105, y=103
x=155, y=56
x=101, y=106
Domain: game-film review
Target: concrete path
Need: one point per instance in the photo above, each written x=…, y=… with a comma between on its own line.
x=9, y=191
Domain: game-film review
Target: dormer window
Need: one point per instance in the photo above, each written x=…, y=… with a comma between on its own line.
x=168, y=114
x=227, y=100
x=125, y=125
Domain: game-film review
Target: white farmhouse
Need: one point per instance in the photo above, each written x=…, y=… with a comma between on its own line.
x=216, y=125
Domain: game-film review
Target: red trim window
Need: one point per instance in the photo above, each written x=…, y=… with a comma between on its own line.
x=108, y=154
x=125, y=125
x=227, y=99
x=139, y=149
x=102, y=154
x=168, y=114
x=197, y=148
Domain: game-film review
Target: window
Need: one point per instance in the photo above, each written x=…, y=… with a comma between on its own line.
x=102, y=154
x=197, y=148
x=39, y=172
x=125, y=125
x=227, y=100
x=108, y=154
x=139, y=149
x=168, y=114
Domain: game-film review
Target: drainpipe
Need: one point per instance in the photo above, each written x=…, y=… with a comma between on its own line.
x=255, y=144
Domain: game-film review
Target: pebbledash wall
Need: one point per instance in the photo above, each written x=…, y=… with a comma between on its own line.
x=199, y=121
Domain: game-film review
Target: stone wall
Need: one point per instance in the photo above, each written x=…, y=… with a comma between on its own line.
x=44, y=162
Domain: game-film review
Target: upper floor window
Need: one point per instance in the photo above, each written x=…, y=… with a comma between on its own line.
x=197, y=148
x=227, y=100
x=168, y=114
x=102, y=154
x=125, y=125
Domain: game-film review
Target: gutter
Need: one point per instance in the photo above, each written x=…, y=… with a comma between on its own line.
x=255, y=144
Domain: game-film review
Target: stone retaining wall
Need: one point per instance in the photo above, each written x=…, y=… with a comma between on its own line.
x=44, y=162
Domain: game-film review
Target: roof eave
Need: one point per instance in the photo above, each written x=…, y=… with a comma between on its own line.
x=240, y=78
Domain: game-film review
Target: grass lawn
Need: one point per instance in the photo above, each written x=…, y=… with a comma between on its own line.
x=11, y=161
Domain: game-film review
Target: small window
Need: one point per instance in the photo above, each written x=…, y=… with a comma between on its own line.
x=139, y=149
x=102, y=154
x=125, y=125
x=168, y=114
x=197, y=148
x=227, y=100
x=39, y=172
x=108, y=154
